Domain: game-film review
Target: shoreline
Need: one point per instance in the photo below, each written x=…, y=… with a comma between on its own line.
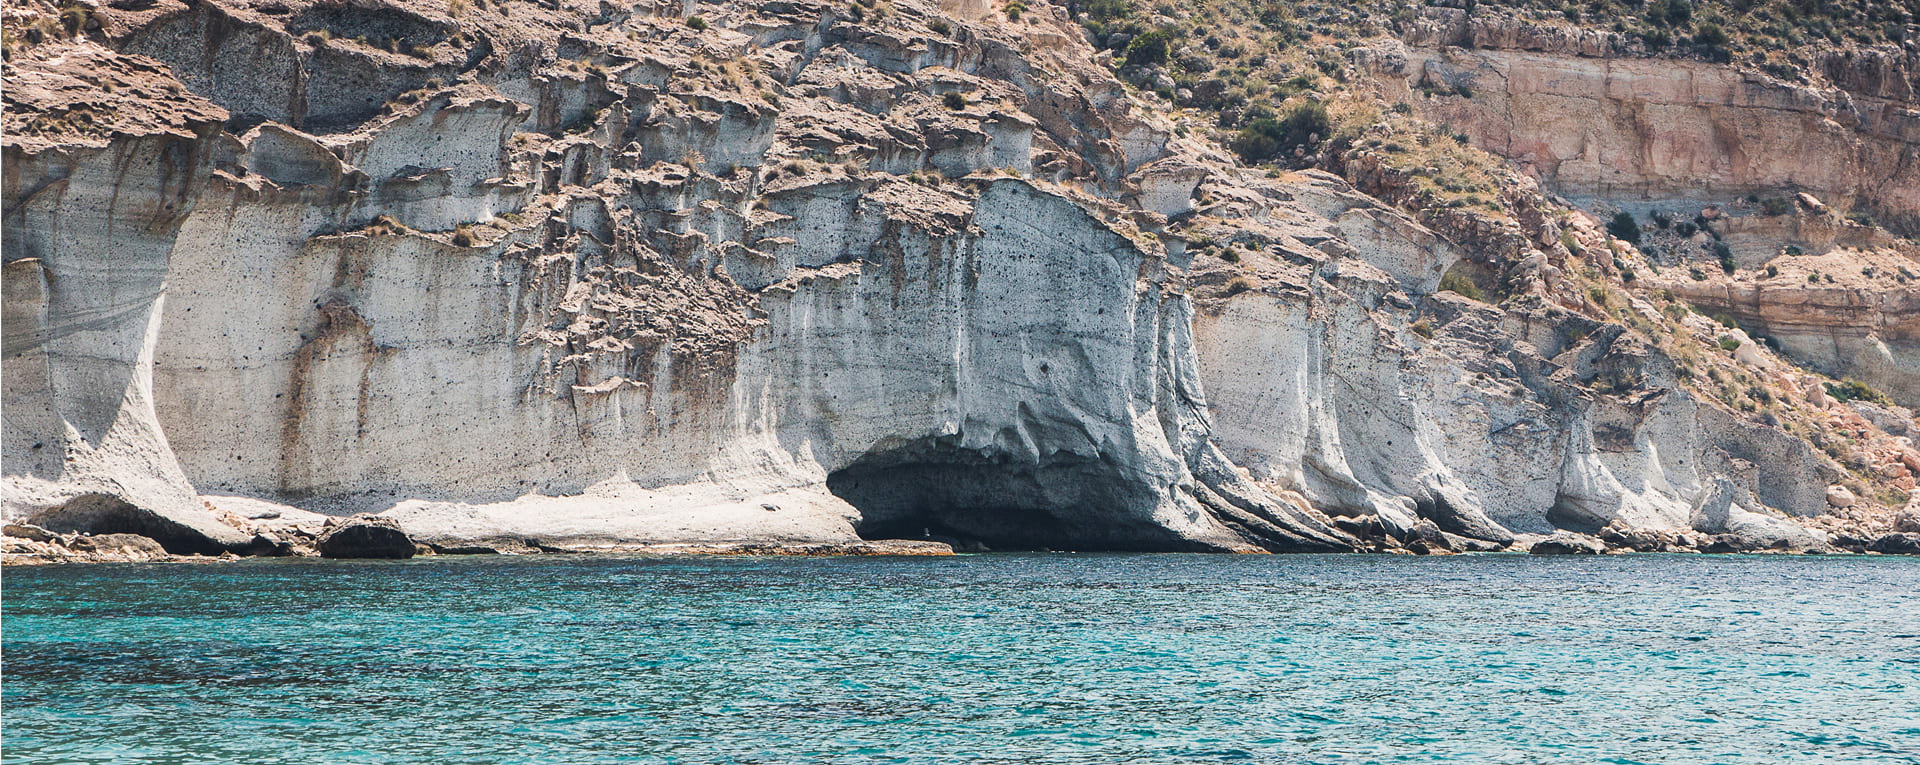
x=83, y=549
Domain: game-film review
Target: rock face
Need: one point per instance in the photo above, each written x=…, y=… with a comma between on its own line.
x=647, y=293
x=1846, y=312
x=1594, y=121
x=766, y=282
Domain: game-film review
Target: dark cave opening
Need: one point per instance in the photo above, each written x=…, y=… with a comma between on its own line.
x=984, y=500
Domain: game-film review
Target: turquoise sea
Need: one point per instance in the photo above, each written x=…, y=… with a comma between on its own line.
x=1043, y=658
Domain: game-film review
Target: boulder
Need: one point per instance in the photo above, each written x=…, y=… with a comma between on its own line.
x=1839, y=496
x=30, y=531
x=132, y=545
x=1621, y=536
x=1568, y=543
x=1907, y=520
x=365, y=536
x=268, y=544
x=1363, y=527
x=1897, y=543
x=1728, y=544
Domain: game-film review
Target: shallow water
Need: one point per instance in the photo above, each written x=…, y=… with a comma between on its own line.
x=995, y=658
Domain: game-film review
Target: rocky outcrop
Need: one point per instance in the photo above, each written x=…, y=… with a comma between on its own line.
x=786, y=280
x=1593, y=119
x=1847, y=313
x=530, y=282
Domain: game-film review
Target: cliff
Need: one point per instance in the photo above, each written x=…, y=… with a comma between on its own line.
x=523, y=276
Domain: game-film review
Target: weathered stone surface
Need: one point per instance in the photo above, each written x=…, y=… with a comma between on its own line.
x=365, y=537
x=767, y=285
x=131, y=545
x=1897, y=544
x=1567, y=543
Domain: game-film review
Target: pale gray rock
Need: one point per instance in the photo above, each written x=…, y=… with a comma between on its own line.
x=1567, y=543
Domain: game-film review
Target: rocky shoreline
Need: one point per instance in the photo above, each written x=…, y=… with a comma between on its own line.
x=372, y=537
x=375, y=537
x=789, y=277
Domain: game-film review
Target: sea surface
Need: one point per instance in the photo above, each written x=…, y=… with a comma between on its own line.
x=1044, y=658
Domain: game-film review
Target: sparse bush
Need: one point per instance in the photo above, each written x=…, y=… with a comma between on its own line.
x=1267, y=138
x=1852, y=390
x=954, y=101
x=1710, y=34
x=696, y=23
x=1458, y=284
x=1238, y=285
x=1624, y=228
x=1149, y=48
x=1776, y=206
x=1725, y=255
x=1423, y=329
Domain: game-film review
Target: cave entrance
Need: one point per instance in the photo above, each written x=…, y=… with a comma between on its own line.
x=974, y=500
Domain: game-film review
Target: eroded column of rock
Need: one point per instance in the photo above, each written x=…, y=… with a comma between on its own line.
x=94, y=197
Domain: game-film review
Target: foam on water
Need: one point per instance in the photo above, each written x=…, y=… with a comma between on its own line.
x=1000, y=658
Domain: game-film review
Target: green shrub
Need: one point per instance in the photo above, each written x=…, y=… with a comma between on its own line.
x=954, y=101
x=1709, y=34
x=1725, y=255
x=1776, y=206
x=1267, y=138
x=696, y=22
x=1458, y=284
x=1851, y=390
x=1150, y=48
x=1728, y=343
x=1102, y=11
x=1624, y=228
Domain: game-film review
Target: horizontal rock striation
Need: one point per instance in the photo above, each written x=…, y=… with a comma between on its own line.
x=1593, y=118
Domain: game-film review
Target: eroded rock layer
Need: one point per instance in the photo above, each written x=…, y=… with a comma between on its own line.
x=521, y=277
